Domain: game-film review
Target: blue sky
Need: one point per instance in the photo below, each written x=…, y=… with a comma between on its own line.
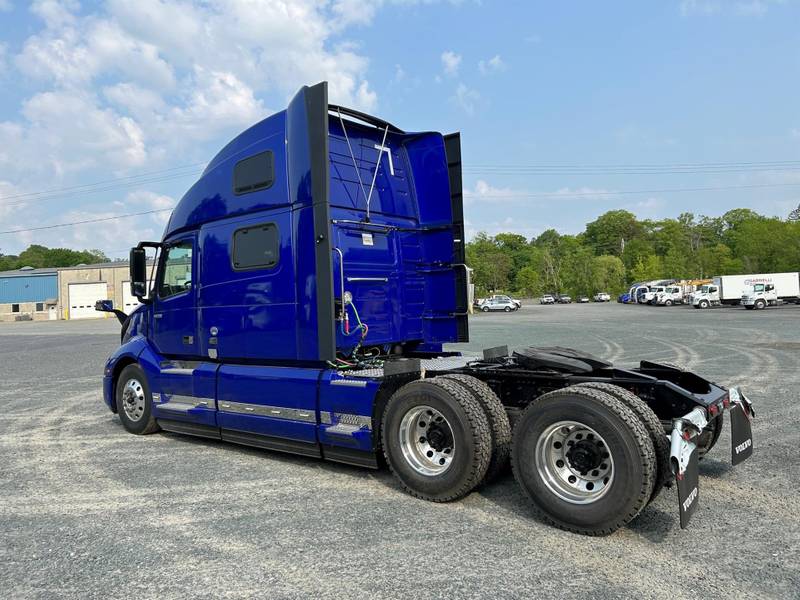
x=547, y=95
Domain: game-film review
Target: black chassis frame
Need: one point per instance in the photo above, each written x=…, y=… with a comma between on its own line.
x=670, y=392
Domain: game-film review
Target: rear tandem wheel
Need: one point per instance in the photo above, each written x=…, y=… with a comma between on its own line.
x=584, y=459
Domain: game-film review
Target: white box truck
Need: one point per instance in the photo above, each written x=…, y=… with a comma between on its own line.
x=780, y=286
x=729, y=289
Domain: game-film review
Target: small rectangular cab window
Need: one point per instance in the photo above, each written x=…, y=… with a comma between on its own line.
x=253, y=173
x=256, y=247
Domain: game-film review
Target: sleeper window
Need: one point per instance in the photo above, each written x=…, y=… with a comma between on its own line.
x=256, y=247
x=253, y=173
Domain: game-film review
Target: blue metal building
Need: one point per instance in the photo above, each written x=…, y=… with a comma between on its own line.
x=28, y=285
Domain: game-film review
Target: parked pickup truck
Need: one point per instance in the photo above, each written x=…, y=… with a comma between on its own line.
x=305, y=286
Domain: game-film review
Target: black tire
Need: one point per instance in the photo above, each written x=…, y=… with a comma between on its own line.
x=628, y=444
x=704, y=304
x=146, y=422
x=498, y=423
x=760, y=305
x=507, y=309
x=485, y=309
x=651, y=423
x=472, y=443
x=667, y=302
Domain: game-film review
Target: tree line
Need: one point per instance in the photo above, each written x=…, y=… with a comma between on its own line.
x=38, y=257
x=617, y=249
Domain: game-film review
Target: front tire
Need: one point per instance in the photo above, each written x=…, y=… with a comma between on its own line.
x=135, y=401
x=584, y=459
x=436, y=439
x=507, y=309
x=704, y=304
x=485, y=309
x=668, y=303
x=760, y=305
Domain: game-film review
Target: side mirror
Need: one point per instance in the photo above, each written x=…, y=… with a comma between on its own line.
x=138, y=271
x=104, y=306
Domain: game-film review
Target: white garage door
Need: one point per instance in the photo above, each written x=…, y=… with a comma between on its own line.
x=82, y=297
x=129, y=301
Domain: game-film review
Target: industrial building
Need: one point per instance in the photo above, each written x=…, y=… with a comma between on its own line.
x=29, y=294
x=64, y=293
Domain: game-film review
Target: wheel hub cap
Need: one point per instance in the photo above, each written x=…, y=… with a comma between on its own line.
x=426, y=441
x=133, y=399
x=574, y=462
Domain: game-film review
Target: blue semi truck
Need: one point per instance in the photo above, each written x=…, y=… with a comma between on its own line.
x=300, y=299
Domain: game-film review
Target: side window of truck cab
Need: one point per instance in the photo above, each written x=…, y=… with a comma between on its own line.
x=176, y=273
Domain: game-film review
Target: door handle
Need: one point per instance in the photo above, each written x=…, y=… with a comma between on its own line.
x=188, y=339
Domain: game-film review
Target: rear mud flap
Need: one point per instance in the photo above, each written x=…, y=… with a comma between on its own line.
x=689, y=489
x=684, y=455
x=741, y=434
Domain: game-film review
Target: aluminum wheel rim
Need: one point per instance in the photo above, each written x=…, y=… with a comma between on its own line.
x=560, y=468
x=133, y=399
x=426, y=441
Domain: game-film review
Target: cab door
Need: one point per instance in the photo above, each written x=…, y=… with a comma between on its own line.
x=175, y=302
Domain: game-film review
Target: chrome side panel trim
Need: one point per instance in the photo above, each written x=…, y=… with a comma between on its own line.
x=276, y=412
x=349, y=382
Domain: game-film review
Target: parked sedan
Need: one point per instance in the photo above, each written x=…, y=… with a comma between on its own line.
x=583, y=299
x=564, y=299
x=547, y=299
x=497, y=304
x=602, y=297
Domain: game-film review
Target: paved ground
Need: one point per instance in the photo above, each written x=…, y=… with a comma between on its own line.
x=87, y=510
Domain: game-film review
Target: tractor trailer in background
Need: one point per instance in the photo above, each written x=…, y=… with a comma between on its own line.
x=305, y=286
x=734, y=289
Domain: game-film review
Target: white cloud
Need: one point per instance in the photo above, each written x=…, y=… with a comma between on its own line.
x=466, y=99
x=492, y=65
x=485, y=192
x=450, y=62
x=6, y=6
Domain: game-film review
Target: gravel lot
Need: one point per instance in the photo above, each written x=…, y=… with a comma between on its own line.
x=88, y=510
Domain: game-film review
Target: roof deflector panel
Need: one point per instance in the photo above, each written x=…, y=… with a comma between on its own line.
x=364, y=117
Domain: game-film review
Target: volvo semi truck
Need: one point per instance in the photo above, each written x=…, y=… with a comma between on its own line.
x=305, y=288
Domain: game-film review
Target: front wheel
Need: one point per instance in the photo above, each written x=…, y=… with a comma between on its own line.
x=135, y=402
x=668, y=303
x=704, y=304
x=507, y=309
x=584, y=459
x=760, y=305
x=485, y=309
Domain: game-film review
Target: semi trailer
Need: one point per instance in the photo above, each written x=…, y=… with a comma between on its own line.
x=305, y=288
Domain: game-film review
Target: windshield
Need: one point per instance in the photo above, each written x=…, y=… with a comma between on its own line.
x=759, y=287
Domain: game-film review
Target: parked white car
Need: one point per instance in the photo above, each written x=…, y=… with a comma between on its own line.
x=494, y=304
x=506, y=298
x=547, y=299
x=602, y=297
